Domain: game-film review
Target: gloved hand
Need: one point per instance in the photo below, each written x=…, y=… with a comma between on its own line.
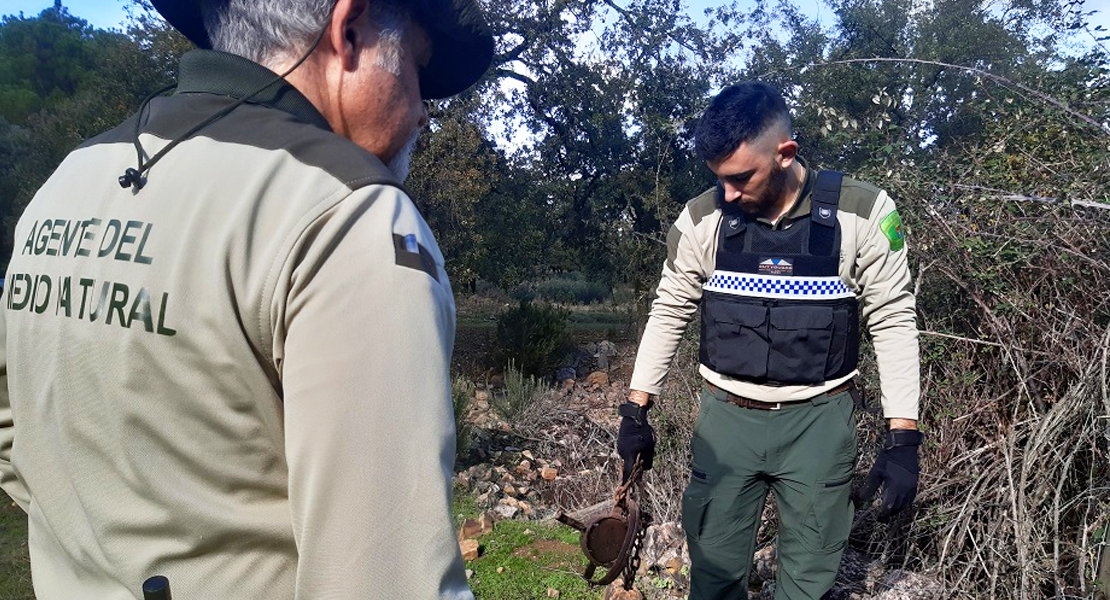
x=635, y=439
x=896, y=469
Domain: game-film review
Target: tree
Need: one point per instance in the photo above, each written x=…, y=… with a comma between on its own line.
x=62, y=82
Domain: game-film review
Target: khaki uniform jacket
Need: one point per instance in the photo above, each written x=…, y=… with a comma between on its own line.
x=872, y=264
x=236, y=376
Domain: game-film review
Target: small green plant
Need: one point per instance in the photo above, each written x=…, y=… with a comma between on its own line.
x=533, y=336
x=520, y=392
x=662, y=583
x=462, y=390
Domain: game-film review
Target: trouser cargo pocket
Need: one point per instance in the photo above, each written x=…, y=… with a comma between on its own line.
x=694, y=515
x=830, y=516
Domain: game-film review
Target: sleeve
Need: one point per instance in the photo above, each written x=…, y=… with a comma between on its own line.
x=8, y=480
x=676, y=301
x=888, y=310
x=369, y=426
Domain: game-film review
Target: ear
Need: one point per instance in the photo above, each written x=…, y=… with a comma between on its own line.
x=348, y=34
x=786, y=152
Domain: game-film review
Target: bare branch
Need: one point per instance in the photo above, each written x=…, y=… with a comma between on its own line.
x=983, y=342
x=1004, y=195
x=1103, y=127
x=507, y=73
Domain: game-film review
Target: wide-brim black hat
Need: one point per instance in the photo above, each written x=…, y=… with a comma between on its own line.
x=462, y=45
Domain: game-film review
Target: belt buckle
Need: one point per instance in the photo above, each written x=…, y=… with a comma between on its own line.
x=777, y=406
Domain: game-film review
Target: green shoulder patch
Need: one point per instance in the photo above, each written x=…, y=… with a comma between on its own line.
x=891, y=225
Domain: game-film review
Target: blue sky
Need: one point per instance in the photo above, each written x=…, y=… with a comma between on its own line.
x=109, y=14
x=104, y=14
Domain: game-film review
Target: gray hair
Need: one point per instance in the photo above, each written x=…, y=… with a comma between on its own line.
x=271, y=32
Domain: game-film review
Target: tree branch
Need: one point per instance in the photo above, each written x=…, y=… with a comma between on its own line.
x=1104, y=128
x=630, y=17
x=983, y=342
x=1004, y=195
x=515, y=53
x=499, y=72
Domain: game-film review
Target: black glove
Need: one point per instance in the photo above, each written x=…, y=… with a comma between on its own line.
x=896, y=468
x=636, y=438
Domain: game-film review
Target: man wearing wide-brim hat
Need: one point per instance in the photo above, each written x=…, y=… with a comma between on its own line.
x=226, y=329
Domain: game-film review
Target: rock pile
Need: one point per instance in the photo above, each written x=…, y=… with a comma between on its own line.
x=510, y=490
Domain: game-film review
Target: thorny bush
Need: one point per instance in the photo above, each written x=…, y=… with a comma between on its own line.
x=1015, y=318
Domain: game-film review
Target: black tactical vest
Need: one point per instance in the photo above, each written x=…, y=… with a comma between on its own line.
x=775, y=309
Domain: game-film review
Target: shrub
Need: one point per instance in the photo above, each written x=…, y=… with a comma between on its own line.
x=462, y=390
x=534, y=337
x=571, y=288
x=567, y=288
x=521, y=392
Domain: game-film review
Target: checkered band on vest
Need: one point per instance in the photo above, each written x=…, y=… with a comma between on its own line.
x=772, y=286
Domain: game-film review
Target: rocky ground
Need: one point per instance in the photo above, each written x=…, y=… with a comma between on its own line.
x=563, y=459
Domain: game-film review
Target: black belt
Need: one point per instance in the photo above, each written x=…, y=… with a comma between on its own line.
x=744, y=402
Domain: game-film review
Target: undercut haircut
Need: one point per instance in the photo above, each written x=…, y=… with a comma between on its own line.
x=270, y=32
x=740, y=113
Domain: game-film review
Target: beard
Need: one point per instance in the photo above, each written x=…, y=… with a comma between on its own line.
x=768, y=202
x=401, y=163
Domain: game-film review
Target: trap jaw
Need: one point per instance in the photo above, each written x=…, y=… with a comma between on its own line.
x=613, y=541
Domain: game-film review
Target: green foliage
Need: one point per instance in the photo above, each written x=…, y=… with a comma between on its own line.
x=569, y=288
x=462, y=390
x=44, y=59
x=449, y=178
x=533, y=336
x=519, y=394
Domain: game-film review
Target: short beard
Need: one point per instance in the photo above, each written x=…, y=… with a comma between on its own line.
x=768, y=202
x=401, y=163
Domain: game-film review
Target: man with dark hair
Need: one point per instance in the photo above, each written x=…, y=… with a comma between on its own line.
x=225, y=340
x=783, y=262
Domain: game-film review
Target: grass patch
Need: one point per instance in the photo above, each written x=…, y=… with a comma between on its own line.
x=15, y=564
x=533, y=557
x=531, y=563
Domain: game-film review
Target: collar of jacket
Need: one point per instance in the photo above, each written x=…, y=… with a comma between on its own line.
x=214, y=72
x=801, y=205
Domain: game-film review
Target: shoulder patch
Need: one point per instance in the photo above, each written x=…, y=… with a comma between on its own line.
x=891, y=226
x=412, y=254
x=703, y=206
x=858, y=197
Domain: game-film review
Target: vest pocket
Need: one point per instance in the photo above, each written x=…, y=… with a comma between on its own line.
x=800, y=340
x=839, y=347
x=737, y=340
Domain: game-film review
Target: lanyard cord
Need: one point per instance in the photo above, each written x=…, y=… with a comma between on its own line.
x=133, y=177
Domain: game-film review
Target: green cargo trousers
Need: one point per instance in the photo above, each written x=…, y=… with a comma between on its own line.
x=805, y=454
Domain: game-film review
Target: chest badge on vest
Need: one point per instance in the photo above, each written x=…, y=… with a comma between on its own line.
x=776, y=266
